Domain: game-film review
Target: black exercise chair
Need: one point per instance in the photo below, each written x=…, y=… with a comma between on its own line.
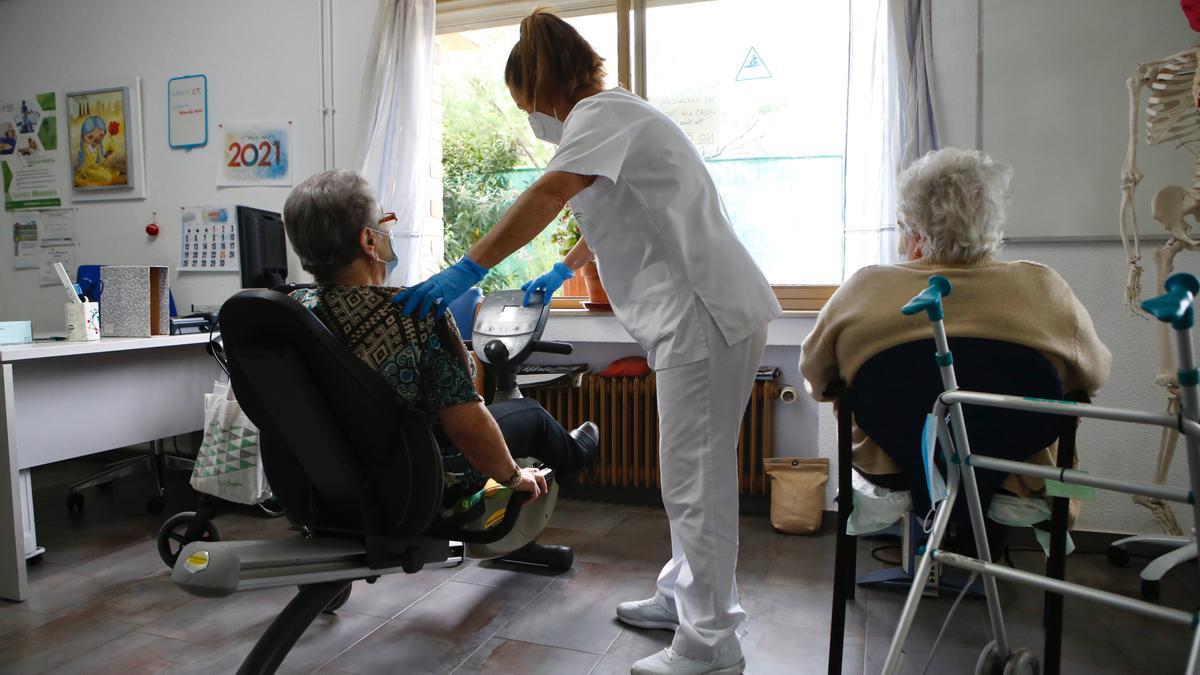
x=890, y=397
x=360, y=478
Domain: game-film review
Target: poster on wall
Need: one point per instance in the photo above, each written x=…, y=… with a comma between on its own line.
x=28, y=141
x=209, y=242
x=256, y=153
x=104, y=145
x=187, y=111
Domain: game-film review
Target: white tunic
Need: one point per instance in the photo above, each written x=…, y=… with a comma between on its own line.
x=655, y=221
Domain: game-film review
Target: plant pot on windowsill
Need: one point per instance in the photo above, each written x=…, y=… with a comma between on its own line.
x=597, y=299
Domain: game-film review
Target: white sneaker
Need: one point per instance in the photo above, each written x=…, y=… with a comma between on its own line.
x=648, y=613
x=670, y=662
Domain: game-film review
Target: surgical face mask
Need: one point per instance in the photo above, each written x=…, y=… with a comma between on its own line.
x=545, y=127
x=390, y=236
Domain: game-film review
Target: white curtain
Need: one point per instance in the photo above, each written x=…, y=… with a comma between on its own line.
x=890, y=120
x=397, y=106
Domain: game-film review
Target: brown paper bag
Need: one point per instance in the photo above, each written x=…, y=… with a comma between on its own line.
x=797, y=492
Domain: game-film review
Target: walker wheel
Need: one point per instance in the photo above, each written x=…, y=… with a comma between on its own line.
x=1151, y=589
x=338, y=600
x=1117, y=556
x=989, y=662
x=173, y=535
x=1022, y=662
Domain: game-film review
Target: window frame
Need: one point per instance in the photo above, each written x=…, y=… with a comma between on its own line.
x=454, y=16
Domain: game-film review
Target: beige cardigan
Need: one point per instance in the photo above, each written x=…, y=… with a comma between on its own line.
x=1020, y=302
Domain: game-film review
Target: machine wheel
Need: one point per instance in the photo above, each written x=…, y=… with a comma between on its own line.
x=1022, y=662
x=1151, y=590
x=1117, y=556
x=75, y=502
x=155, y=505
x=172, y=536
x=989, y=662
x=338, y=600
x=560, y=558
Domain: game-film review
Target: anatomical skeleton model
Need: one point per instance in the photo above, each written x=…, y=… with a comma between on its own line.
x=1172, y=117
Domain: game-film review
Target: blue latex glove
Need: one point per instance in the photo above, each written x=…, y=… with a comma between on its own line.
x=440, y=289
x=547, y=283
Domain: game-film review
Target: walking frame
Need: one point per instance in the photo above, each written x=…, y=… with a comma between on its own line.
x=1175, y=307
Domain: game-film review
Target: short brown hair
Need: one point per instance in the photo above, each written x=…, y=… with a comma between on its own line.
x=551, y=53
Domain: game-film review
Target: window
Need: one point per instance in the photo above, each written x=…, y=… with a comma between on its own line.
x=759, y=85
x=489, y=153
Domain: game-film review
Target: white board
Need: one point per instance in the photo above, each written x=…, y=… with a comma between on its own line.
x=1054, y=105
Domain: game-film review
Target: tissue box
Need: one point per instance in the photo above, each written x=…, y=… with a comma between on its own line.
x=136, y=301
x=16, y=332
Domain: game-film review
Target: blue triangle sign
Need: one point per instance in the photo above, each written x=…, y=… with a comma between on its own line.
x=753, y=67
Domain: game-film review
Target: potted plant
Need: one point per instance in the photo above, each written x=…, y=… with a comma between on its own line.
x=565, y=237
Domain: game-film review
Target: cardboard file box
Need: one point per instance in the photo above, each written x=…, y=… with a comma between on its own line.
x=136, y=301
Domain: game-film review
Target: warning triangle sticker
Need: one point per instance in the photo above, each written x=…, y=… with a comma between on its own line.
x=753, y=67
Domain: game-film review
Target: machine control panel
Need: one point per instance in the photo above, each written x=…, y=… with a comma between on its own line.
x=503, y=316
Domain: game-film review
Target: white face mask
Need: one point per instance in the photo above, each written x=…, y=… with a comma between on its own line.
x=390, y=237
x=545, y=127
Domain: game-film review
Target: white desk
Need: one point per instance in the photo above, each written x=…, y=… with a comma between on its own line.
x=60, y=400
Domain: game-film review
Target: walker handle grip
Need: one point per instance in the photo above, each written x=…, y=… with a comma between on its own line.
x=1176, y=304
x=930, y=299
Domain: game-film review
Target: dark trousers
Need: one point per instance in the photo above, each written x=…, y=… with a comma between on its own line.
x=530, y=431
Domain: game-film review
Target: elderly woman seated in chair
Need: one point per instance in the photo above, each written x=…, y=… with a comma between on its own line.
x=951, y=209
x=341, y=237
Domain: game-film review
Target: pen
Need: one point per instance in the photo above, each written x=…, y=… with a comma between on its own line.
x=66, y=282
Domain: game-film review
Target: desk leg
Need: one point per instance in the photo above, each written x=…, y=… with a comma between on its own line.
x=13, y=483
x=32, y=550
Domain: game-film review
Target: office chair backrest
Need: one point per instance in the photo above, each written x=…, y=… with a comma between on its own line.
x=895, y=389
x=338, y=450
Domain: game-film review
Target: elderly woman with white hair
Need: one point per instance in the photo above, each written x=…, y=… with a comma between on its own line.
x=951, y=209
x=344, y=240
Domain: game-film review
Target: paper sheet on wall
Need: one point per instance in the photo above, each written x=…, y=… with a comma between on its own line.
x=209, y=242
x=56, y=227
x=51, y=255
x=28, y=149
x=25, y=241
x=256, y=153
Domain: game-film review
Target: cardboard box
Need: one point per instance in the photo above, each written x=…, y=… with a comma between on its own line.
x=136, y=301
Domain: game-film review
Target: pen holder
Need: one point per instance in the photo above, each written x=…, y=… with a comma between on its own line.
x=83, y=321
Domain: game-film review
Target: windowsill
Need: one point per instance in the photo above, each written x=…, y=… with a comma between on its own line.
x=581, y=326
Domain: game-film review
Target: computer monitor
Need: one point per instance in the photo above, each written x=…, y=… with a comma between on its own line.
x=263, y=248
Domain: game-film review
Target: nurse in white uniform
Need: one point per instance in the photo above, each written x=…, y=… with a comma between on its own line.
x=682, y=285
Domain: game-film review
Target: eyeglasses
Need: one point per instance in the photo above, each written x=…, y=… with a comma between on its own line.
x=386, y=218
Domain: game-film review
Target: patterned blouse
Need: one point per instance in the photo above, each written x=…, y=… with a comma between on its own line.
x=424, y=360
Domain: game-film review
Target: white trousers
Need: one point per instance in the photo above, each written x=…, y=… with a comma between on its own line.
x=700, y=408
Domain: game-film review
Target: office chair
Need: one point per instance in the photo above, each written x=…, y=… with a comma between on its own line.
x=890, y=397
x=358, y=476
x=155, y=460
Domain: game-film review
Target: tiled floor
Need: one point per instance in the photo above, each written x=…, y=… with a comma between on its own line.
x=101, y=602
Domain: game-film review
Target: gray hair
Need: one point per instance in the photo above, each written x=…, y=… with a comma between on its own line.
x=323, y=217
x=955, y=198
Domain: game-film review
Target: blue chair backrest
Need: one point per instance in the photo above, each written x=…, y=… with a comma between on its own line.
x=463, y=310
x=895, y=389
x=88, y=278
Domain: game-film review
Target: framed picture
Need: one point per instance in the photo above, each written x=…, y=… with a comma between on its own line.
x=105, y=144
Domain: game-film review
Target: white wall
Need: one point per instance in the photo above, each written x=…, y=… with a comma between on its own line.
x=263, y=62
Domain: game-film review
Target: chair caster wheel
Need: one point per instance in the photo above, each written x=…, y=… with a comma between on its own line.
x=155, y=505
x=173, y=535
x=75, y=502
x=1151, y=590
x=1117, y=556
x=338, y=600
x=1022, y=662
